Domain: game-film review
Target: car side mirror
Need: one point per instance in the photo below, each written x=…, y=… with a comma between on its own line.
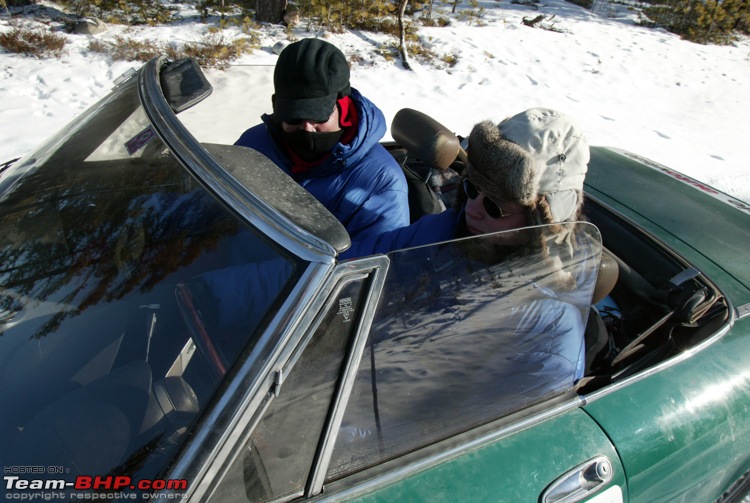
x=184, y=84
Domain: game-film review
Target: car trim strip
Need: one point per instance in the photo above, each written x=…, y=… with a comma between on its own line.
x=379, y=265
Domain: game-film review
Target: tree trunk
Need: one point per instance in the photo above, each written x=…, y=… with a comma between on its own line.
x=270, y=11
x=532, y=22
x=402, y=34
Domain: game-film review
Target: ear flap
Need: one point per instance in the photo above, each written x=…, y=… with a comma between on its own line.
x=501, y=168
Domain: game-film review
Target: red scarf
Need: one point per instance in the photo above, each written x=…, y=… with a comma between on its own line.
x=348, y=121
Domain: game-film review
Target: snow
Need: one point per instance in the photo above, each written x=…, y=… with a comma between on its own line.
x=640, y=89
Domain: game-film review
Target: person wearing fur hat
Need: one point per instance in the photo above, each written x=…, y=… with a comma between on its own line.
x=326, y=135
x=527, y=170
x=515, y=301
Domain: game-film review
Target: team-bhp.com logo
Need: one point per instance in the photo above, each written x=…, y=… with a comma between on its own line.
x=85, y=487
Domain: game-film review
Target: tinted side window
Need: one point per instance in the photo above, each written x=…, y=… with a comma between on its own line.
x=277, y=459
x=465, y=333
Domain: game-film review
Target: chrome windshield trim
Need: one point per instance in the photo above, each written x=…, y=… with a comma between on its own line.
x=379, y=267
x=216, y=440
x=210, y=173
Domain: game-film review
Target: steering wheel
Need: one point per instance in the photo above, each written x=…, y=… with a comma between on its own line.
x=194, y=321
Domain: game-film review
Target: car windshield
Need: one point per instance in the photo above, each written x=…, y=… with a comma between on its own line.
x=116, y=279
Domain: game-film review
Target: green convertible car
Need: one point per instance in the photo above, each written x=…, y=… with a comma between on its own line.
x=398, y=377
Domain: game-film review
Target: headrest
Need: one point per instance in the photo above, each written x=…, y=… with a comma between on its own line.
x=609, y=272
x=425, y=138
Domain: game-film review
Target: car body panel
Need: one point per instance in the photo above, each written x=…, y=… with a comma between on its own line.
x=706, y=229
x=682, y=432
x=677, y=426
x=518, y=467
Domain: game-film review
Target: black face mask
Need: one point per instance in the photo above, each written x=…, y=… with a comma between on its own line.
x=311, y=146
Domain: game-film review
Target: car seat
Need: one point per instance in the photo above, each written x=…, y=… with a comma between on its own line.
x=434, y=154
x=597, y=337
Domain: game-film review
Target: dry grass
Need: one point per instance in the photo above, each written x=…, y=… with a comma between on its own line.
x=127, y=49
x=213, y=50
x=35, y=43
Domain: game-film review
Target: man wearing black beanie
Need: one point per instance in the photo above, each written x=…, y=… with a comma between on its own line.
x=326, y=135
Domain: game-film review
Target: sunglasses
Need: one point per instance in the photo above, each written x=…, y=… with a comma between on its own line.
x=492, y=209
x=297, y=122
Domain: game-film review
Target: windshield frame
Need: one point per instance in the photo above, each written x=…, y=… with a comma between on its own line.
x=215, y=178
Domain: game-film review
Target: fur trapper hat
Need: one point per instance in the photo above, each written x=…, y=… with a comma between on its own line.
x=539, y=152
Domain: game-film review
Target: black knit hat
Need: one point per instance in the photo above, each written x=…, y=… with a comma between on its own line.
x=310, y=76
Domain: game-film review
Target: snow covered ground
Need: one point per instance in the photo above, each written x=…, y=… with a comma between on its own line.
x=644, y=90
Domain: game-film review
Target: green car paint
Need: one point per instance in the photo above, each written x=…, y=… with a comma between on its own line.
x=515, y=468
x=709, y=229
x=682, y=431
x=686, y=425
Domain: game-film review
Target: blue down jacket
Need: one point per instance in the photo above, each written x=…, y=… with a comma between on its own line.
x=361, y=183
x=427, y=230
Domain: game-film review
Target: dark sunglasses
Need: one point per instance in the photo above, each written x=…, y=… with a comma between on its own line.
x=297, y=122
x=490, y=207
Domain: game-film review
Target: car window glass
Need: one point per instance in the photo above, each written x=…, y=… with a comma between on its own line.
x=127, y=292
x=465, y=333
x=276, y=461
x=133, y=138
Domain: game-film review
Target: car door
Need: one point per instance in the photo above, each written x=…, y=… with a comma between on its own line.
x=466, y=387
x=563, y=458
x=445, y=372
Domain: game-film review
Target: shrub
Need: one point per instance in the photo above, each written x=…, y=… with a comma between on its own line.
x=586, y=4
x=702, y=21
x=474, y=13
x=337, y=15
x=127, y=49
x=211, y=50
x=440, y=22
x=422, y=53
x=36, y=43
x=450, y=59
x=130, y=12
x=214, y=50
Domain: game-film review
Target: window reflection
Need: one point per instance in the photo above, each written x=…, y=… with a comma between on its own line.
x=94, y=342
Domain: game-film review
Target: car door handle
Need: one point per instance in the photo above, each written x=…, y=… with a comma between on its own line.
x=580, y=482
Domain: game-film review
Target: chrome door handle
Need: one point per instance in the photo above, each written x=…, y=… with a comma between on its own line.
x=580, y=482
